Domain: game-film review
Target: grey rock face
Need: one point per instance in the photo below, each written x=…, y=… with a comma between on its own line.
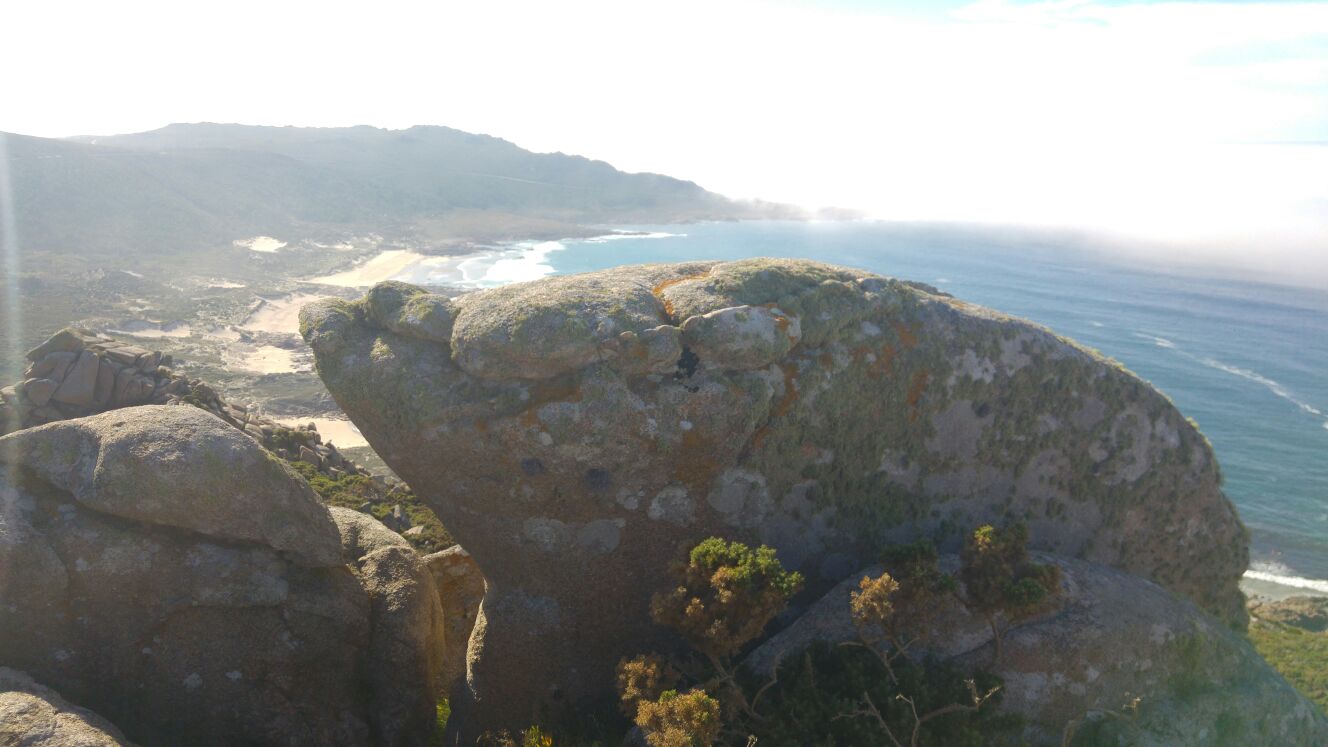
x=408, y=643
x=35, y=716
x=1110, y=637
x=577, y=433
x=162, y=568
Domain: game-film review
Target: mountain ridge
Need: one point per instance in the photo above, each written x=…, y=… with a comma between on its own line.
x=195, y=186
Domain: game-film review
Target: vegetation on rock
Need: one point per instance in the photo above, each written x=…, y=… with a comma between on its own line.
x=1000, y=582
x=364, y=494
x=1292, y=636
x=863, y=693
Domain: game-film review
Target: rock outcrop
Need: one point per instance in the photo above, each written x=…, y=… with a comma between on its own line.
x=163, y=569
x=460, y=590
x=576, y=433
x=35, y=716
x=77, y=373
x=1108, y=638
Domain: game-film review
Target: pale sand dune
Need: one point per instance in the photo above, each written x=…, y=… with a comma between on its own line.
x=343, y=433
x=380, y=268
x=267, y=359
x=281, y=315
x=264, y=244
x=149, y=329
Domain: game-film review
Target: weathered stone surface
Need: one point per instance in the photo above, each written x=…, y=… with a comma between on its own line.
x=39, y=391
x=101, y=394
x=408, y=643
x=79, y=382
x=68, y=339
x=1109, y=637
x=408, y=310
x=165, y=465
x=162, y=568
x=35, y=716
x=460, y=589
x=742, y=337
x=574, y=474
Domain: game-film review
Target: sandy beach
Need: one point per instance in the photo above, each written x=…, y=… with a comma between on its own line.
x=381, y=267
x=341, y=432
x=280, y=315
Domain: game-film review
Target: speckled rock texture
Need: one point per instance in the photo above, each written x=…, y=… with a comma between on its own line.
x=160, y=567
x=460, y=590
x=575, y=434
x=35, y=716
x=1108, y=637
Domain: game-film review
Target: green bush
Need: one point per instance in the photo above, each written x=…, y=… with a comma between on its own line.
x=1300, y=655
x=725, y=595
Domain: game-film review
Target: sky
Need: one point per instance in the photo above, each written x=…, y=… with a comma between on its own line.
x=1201, y=127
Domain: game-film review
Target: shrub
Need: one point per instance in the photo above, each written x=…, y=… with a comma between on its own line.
x=725, y=596
x=644, y=678
x=673, y=720
x=1000, y=580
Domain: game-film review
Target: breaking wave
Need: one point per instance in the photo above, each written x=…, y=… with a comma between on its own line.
x=1276, y=573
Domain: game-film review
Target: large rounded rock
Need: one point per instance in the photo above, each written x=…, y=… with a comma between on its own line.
x=574, y=442
x=1107, y=638
x=163, y=569
x=35, y=716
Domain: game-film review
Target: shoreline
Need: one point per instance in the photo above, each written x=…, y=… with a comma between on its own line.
x=484, y=266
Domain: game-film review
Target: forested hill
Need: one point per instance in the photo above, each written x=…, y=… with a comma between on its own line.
x=197, y=185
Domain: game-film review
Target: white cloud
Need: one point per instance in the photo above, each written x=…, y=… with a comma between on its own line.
x=1067, y=113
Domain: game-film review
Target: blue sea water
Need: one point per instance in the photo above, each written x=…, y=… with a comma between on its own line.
x=1247, y=360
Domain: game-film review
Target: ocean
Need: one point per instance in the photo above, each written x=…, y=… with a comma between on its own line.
x=1247, y=360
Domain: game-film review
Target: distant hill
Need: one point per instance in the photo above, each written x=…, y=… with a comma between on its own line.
x=189, y=186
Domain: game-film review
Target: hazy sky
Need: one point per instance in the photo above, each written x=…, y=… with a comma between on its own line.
x=1147, y=119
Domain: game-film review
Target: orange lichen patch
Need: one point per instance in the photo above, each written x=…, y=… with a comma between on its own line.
x=530, y=418
x=907, y=337
x=916, y=387
x=809, y=450
x=482, y=426
x=663, y=285
x=827, y=360
x=790, y=390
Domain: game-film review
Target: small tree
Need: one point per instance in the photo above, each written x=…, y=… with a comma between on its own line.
x=1001, y=581
x=873, y=612
x=725, y=595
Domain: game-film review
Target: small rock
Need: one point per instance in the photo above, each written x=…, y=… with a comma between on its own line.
x=39, y=391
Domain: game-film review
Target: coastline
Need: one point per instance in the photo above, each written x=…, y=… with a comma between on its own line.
x=485, y=266
x=481, y=266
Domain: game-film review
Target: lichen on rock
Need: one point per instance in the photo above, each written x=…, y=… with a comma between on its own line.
x=821, y=410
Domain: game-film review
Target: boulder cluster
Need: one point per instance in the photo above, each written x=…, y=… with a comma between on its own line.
x=166, y=571
x=594, y=427
x=170, y=569
x=77, y=373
